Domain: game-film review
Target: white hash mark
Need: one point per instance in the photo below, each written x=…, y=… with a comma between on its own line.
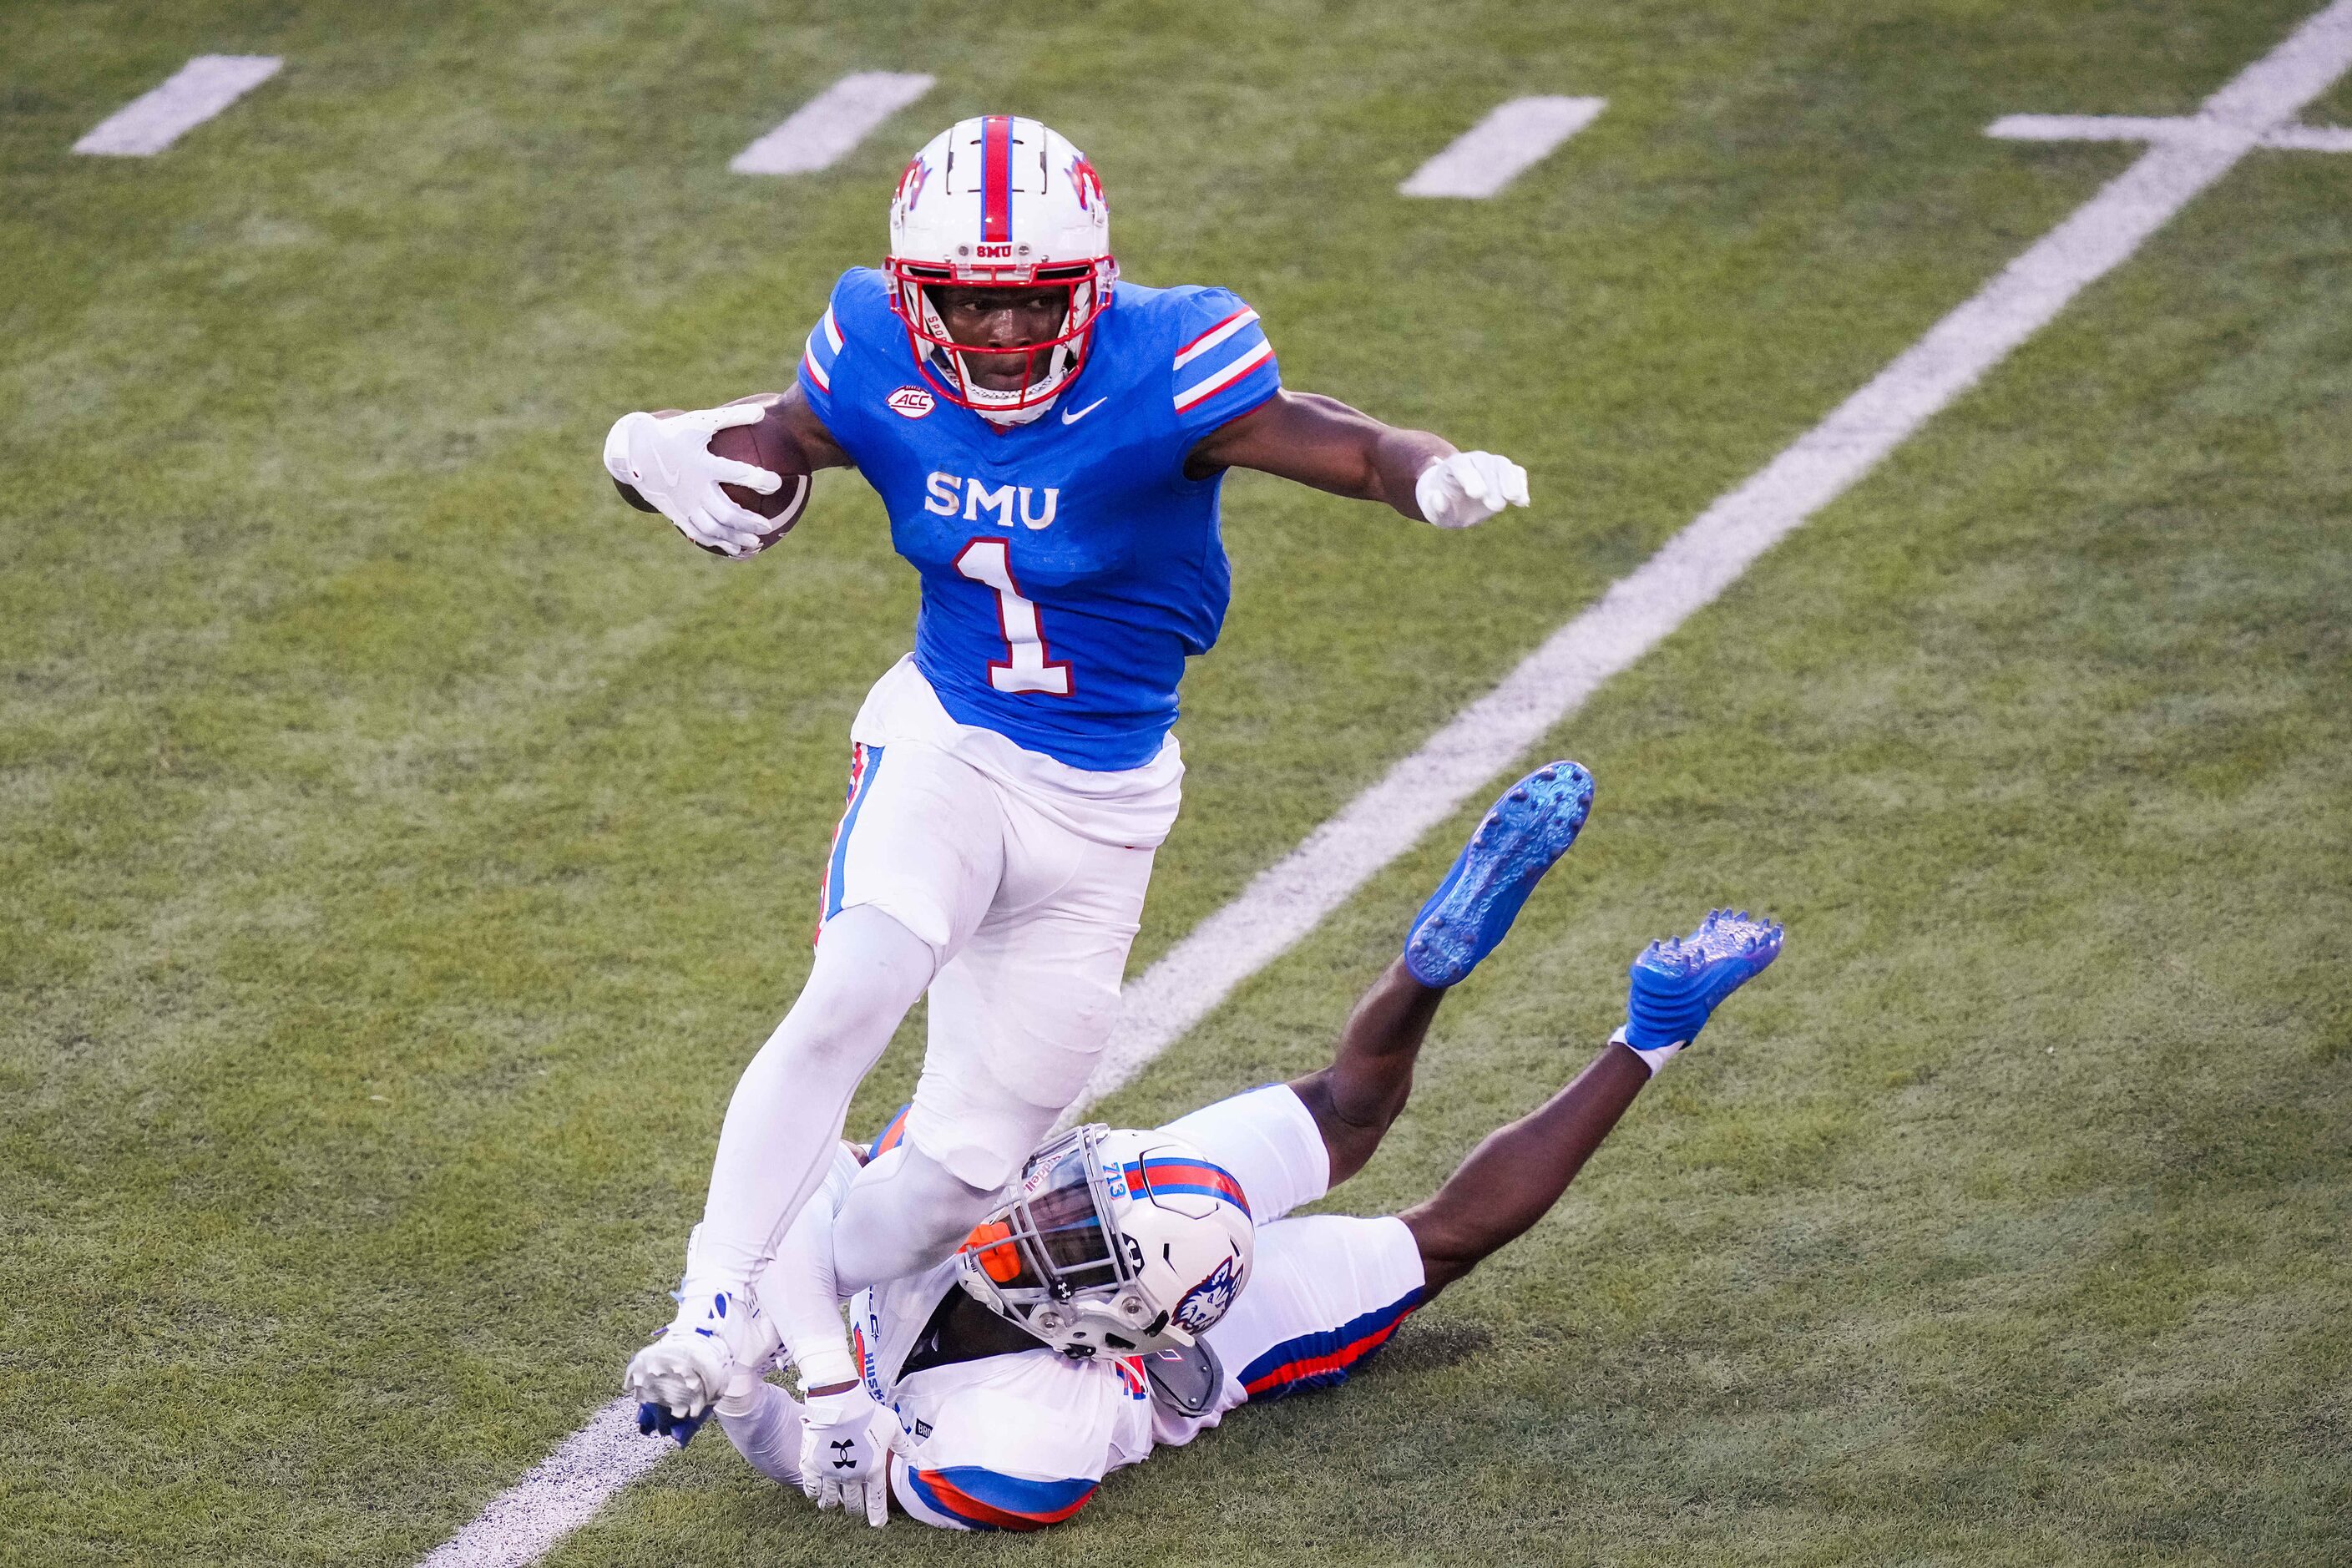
x=190, y=96
x=828, y=127
x=1509, y=141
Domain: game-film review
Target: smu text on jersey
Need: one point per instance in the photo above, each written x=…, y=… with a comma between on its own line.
x=1069, y=566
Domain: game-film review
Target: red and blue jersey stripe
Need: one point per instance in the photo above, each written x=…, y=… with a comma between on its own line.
x=988, y=1499
x=1324, y=1359
x=1167, y=1174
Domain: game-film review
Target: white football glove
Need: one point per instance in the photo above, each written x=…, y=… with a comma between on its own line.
x=718, y=1344
x=670, y=464
x=1469, y=488
x=847, y=1441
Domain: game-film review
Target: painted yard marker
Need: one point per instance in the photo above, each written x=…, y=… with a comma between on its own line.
x=1500, y=148
x=1289, y=899
x=192, y=95
x=556, y=1495
x=828, y=127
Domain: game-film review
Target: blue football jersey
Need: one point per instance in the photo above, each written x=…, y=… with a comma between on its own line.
x=1069, y=567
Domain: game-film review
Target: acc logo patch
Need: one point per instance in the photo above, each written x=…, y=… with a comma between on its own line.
x=911, y=402
x=1206, y=1302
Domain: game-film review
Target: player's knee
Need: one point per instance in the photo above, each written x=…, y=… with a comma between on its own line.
x=1447, y=1251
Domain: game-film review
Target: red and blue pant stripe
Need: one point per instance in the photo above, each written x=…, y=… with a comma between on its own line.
x=1324, y=1359
x=988, y=1499
x=864, y=762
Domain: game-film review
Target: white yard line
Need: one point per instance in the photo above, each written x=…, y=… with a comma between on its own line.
x=1292, y=897
x=1512, y=140
x=2310, y=138
x=194, y=94
x=2181, y=129
x=556, y=1495
x=828, y=127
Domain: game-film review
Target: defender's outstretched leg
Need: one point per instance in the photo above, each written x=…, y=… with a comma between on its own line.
x=1512, y=1179
x=1522, y=835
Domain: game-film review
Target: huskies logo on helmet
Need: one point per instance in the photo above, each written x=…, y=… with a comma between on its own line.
x=1205, y=1303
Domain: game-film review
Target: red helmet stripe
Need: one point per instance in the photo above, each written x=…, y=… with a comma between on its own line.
x=996, y=178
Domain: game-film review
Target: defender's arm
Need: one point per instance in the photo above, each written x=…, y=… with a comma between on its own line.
x=1321, y=441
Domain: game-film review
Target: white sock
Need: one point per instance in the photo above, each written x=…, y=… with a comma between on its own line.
x=903, y=1213
x=786, y=1118
x=1655, y=1060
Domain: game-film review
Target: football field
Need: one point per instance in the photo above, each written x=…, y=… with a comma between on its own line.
x=404, y=845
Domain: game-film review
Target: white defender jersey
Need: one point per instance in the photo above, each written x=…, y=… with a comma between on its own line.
x=1021, y=1440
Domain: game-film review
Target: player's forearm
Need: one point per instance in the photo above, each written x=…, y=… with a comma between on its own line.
x=1321, y=441
x=764, y=1424
x=1514, y=1178
x=1398, y=458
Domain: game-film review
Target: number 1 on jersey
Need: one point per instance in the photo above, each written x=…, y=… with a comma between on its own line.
x=1027, y=667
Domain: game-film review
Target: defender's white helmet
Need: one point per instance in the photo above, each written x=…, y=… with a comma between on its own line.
x=1114, y=1242
x=999, y=201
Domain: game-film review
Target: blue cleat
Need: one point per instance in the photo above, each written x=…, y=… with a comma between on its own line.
x=1523, y=833
x=1678, y=982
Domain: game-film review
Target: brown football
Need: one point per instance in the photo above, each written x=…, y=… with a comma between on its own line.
x=769, y=445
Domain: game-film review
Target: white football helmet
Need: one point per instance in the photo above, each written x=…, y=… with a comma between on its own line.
x=1116, y=1243
x=999, y=201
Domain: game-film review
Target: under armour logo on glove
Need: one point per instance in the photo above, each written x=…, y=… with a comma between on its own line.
x=847, y=1441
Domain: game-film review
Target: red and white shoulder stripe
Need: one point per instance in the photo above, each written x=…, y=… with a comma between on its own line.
x=1225, y=356
x=823, y=348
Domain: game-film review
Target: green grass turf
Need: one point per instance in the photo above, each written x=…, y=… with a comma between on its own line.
x=404, y=845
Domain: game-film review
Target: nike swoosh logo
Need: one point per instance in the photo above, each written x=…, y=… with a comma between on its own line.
x=1070, y=418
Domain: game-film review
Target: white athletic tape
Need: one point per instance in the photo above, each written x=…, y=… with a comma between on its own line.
x=195, y=93
x=1500, y=148
x=1290, y=897
x=828, y=127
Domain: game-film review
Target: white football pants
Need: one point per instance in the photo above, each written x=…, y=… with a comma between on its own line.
x=1032, y=922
